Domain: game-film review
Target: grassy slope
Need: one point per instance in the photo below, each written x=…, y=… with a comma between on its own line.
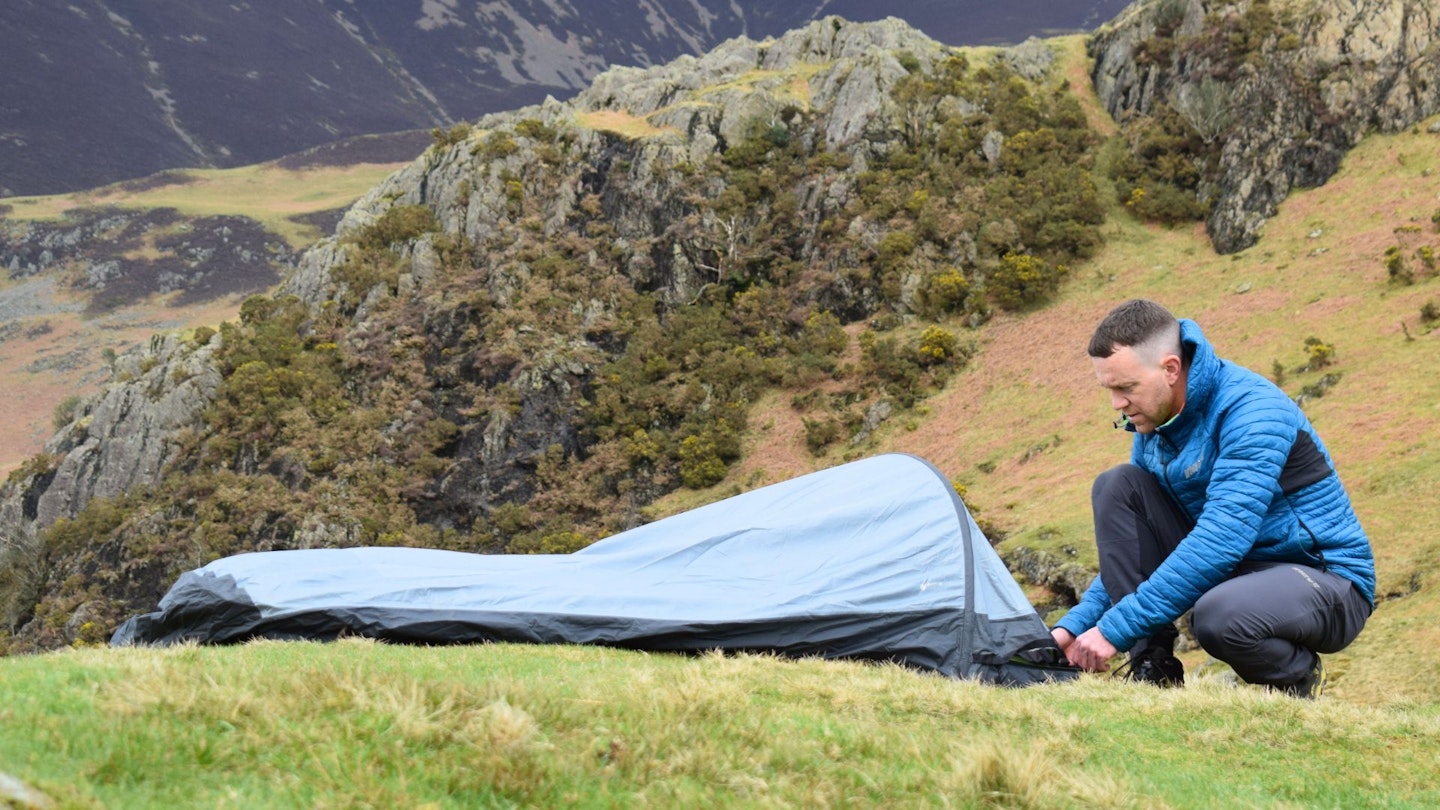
x=1379, y=422
x=264, y=192
x=359, y=724
x=57, y=332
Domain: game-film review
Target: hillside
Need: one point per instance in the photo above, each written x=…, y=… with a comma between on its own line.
x=100, y=91
x=1025, y=429
x=355, y=723
x=698, y=278
x=631, y=232
x=92, y=274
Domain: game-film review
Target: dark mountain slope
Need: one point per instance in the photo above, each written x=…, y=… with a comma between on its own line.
x=110, y=90
x=75, y=110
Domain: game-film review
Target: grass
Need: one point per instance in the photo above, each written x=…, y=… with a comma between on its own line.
x=263, y=192
x=622, y=124
x=791, y=85
x=360, y=724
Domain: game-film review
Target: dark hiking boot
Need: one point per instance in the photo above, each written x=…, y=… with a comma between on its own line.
x=1308, y=687
x=1154, y=665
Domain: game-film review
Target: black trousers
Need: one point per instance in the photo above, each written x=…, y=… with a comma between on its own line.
x=1267, y=620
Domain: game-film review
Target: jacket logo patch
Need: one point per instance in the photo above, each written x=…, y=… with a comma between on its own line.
x=1194, y=468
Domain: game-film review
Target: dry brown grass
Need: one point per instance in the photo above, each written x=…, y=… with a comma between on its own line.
x=1076, y=70
x=30, y=395
x=623, y=124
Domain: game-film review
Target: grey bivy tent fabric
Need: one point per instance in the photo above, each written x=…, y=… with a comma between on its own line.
x=876, y=559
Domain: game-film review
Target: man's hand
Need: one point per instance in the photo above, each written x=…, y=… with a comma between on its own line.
x=1063, y=638
x=1090, y=651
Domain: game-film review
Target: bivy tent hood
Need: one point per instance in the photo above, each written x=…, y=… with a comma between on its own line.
x=876, y=559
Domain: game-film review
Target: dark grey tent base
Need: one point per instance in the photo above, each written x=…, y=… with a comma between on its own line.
x=928, y=644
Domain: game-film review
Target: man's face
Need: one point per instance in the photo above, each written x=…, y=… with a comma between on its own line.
x=1148, y=392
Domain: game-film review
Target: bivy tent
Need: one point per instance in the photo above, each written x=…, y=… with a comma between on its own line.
x=876, y=559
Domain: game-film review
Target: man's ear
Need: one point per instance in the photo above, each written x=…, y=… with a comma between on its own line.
x=1171, y=365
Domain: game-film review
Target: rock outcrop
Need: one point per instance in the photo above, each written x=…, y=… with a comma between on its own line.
x=117, y=442
x=681, y=113
x=1285, y=89
x=120, y=439
x=639, y=131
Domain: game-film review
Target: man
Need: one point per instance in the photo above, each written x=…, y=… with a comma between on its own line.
x=1230, y=505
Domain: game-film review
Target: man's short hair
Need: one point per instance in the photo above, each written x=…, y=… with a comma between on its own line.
x=1136, y=323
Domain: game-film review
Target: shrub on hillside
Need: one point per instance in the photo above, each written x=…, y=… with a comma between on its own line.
x=946, y=291
x=1318, y=353
x=537, y=130
x=705, y=457
x=401, y=223
x=937, y=345
x=446, y=138
x=1022, y=280
x=820, y=434
x=1397, y=267
x=1159, y=178
x=496, y=146
x=1426, y=255
x=65, y=411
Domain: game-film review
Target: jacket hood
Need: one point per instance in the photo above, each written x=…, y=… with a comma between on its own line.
x=1203, y=371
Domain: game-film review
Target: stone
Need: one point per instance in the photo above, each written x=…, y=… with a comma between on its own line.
x=1351, y=68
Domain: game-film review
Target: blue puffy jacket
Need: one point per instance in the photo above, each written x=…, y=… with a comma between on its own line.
x=1243, y=460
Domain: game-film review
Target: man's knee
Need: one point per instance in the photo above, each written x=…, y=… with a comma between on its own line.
x=1217, y=626
x=1118, y=484
x=1257, y=625
x=1242, y=614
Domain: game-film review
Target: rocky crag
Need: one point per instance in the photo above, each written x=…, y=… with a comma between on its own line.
x=1280, y=90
